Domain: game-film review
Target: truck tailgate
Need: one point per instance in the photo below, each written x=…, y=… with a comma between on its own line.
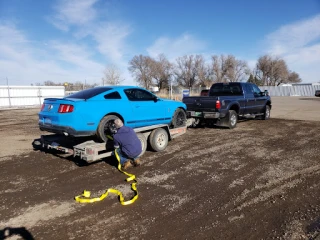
x=204, y=104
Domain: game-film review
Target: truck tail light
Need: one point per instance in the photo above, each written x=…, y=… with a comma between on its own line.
x=65, y=108
x=218, y=104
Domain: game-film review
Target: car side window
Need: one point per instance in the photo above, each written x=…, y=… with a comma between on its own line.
x=139, y=95
x=113, y=95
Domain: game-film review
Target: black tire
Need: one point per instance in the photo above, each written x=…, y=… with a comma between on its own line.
x=179, y=118
x=144, y=143
x=232, y=119
x=266, y=113
x=158, y=139
x=103, y=130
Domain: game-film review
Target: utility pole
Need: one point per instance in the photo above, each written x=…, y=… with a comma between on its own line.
x=171, y=89
x=8, y=92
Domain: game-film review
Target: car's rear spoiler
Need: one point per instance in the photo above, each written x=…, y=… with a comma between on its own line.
x=61, y=99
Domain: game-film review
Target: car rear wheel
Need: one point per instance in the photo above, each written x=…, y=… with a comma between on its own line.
x=103, y=130
x=179, y=118
x=158, y=139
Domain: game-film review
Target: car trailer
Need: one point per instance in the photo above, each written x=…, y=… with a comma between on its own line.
x=90, y=151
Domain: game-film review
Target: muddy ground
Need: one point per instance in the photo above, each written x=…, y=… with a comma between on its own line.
x=257, y=181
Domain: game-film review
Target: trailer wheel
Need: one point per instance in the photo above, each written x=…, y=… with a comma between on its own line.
x=143, y=141
x=179, y=118
x=158, y=139
x=103, y=130
x=232, y=119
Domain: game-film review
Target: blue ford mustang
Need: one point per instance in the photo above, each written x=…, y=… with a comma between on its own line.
x=88, y=112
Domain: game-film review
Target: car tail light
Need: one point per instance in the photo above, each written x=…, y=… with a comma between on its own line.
x=218, y=105
x=65, y=108
x=42, y=107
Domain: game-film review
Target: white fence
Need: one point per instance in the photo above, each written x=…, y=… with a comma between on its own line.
x=20, y=96
x=301, y=90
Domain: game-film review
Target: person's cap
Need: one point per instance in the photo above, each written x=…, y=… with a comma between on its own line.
x=118, y=123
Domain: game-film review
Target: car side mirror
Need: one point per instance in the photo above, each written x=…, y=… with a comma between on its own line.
x=266, y=93
x=155, y=99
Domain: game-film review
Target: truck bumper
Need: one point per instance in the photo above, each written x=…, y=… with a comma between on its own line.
x=207, y=115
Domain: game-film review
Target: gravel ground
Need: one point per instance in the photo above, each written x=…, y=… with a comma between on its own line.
x=257, y=181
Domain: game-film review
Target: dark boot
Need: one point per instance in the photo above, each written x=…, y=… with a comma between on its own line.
x=126, y=165
x=137, y=162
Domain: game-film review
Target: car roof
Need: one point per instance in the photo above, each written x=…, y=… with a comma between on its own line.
x=118, y=87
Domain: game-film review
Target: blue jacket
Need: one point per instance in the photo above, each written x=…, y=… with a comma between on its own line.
x=126, y=139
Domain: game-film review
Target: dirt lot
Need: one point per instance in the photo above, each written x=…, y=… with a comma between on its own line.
x=258, y=181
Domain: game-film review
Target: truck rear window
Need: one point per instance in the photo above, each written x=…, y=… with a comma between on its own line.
x=226, y=89
x=89, y=93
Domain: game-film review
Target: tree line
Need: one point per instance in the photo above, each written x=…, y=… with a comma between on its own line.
x=69, y=86
x=191, y=71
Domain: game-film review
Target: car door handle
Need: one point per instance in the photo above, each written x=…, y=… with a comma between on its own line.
x=137, y=106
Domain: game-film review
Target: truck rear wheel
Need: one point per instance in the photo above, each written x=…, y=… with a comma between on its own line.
x=103, y=129
x=158, y=139
x=232, y=119
x=143, y=141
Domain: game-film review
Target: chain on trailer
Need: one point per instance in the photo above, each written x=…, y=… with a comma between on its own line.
x=85, y=197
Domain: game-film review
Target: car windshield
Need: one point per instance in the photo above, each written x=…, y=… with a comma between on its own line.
x=226, y=89
x=88, y=93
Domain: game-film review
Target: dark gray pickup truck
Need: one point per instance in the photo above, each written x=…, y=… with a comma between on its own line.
x=227, y=102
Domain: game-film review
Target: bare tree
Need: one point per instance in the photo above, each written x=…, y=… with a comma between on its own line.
x=272, y=71
x=204, y=75
x=263, y=69
x=236, y=70
x=228, y=69
x=112, y=76
x=141, y=69
x=187, y=70
x=294, y=77
x=51, y=83
x=161, y=71
x=219, y=68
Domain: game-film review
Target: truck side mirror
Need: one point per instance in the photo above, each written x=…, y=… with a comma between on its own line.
x=266, y=93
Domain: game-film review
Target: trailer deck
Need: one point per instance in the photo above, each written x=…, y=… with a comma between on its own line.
x=157, y=136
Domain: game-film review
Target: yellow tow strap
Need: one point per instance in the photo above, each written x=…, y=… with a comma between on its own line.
x=85, y=197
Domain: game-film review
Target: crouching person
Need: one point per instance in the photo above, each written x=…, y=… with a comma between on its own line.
x=126, y=144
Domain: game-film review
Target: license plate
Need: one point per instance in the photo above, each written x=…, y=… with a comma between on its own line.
x=196, y=114
x=47, y=121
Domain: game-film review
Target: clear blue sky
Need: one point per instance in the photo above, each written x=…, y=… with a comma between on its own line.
x=74, y=40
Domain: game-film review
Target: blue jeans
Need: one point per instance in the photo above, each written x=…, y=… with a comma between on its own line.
x=123, y=157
